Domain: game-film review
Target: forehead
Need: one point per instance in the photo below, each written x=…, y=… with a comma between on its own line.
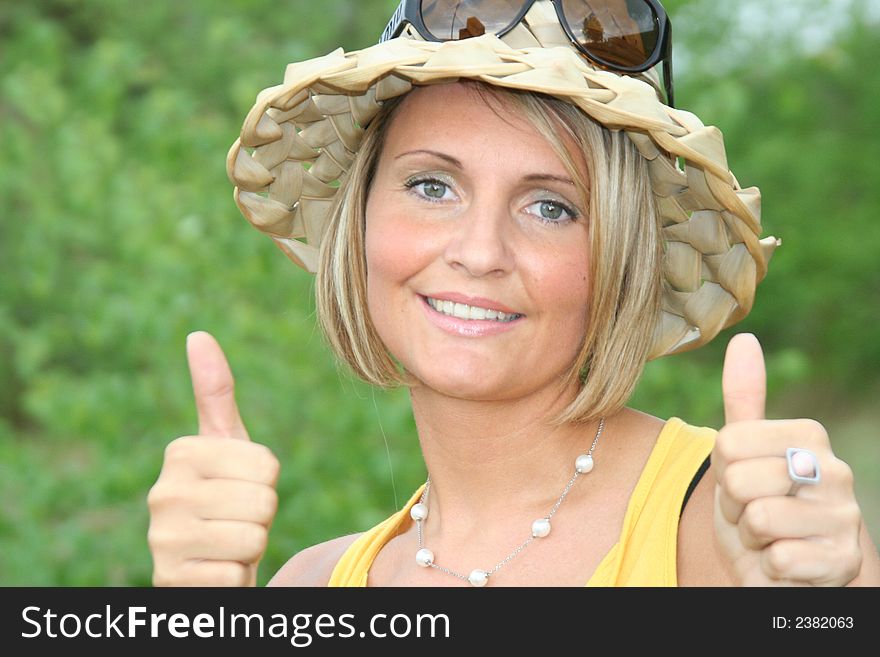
x=467, y=120
x=461, y=100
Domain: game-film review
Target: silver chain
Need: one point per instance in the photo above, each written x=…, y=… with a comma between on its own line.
x=522, y=546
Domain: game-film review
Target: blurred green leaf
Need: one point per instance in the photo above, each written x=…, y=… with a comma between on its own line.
x=119, y=236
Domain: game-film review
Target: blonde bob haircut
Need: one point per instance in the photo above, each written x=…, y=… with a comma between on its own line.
x=626, y=255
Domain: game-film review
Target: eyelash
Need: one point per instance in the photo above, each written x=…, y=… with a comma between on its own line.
x=573, y=215
x=415, y=182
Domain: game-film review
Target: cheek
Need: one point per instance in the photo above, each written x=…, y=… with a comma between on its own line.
x=396, y=250
x=576, y=309
x=561, y=271
x=397, y=245
x=388, y=248
x=564, y=291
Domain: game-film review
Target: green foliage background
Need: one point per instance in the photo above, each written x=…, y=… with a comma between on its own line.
x=118, y=236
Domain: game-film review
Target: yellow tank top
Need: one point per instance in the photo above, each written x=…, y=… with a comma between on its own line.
x=645, y=553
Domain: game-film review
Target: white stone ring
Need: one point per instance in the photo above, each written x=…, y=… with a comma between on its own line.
x=803, y=468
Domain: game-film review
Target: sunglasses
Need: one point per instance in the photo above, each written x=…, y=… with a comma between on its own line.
x=627, y=36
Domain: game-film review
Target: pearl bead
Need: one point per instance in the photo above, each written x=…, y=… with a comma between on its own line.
x=584, y=463
x=541, y=527
x=419, y=511
x=424, y=557
x=478, y=577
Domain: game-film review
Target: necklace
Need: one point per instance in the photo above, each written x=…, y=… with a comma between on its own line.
x=540, y=527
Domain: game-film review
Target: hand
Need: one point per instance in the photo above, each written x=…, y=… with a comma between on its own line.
x=769, y=538
x=214, y=501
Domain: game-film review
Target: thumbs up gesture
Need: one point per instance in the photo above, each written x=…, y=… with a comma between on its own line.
x=214, y=501
x=769, y=536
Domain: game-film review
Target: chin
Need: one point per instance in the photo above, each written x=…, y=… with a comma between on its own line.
x=471, y=391
x=472, y=383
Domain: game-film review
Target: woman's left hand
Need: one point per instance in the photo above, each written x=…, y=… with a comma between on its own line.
x=768, y=537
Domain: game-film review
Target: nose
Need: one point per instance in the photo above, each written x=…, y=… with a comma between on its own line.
x=480, y=244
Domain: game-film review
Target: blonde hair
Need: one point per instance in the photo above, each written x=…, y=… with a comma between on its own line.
x=626, y=255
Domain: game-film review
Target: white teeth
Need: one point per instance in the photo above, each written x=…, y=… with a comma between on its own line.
x=464, y=311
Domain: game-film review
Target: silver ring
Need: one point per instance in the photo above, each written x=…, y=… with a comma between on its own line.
x=798, y=480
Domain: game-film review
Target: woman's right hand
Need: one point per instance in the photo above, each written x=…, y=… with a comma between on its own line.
x=214, y=501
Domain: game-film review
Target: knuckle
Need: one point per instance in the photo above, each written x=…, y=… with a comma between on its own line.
x=154, y=538
x=169, y=573
x=164, y=496
x=734, y=483
x=266, y=504
x=842, y=471
x=161, y=578
x=269, y=465
x=180, y=450
x=757, y=518
x=160, y=539
x=852, y=515
x=154, y=496
x=779, y=558
x=252, y=542
x=232, y=573
x=854, y=565
x=815, y=432
x=157, y=498
x=725, y=442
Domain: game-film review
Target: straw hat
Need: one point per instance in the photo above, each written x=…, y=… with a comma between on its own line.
x=305, y=132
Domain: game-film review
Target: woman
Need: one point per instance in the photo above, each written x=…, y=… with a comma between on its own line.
x=511, y=239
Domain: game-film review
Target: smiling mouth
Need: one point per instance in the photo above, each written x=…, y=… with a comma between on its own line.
x=464, y=311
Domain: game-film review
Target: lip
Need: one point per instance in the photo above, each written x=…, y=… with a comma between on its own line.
x=469, y=328
x=482, y=302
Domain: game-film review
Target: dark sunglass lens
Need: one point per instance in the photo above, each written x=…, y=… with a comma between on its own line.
x=450, y=20
x=618, y=32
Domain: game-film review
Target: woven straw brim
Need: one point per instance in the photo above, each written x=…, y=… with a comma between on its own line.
x=304, y=135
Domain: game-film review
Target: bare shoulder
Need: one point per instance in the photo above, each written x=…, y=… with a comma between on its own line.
x=636, y=420
x=640, y=428
x=700, y=561
x=313, y=566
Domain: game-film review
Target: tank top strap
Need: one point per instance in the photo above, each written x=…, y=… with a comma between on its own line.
x=353, y=567
x=646, y=552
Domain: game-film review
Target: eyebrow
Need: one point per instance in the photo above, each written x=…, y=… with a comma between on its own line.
x=532, y=177
x=442, y=156
x=538, y=177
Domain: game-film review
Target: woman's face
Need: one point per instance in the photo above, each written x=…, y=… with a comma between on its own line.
x=476, y=246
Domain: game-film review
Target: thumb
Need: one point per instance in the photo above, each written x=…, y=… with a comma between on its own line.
x=744, y=379
x=213, y=387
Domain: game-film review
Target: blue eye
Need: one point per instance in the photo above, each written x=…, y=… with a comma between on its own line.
x=552, y=212
x=429, y=188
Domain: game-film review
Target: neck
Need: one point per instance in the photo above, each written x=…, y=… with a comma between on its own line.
x=485, y=457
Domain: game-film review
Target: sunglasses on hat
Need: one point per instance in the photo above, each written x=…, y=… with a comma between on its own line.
x=626, y=36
